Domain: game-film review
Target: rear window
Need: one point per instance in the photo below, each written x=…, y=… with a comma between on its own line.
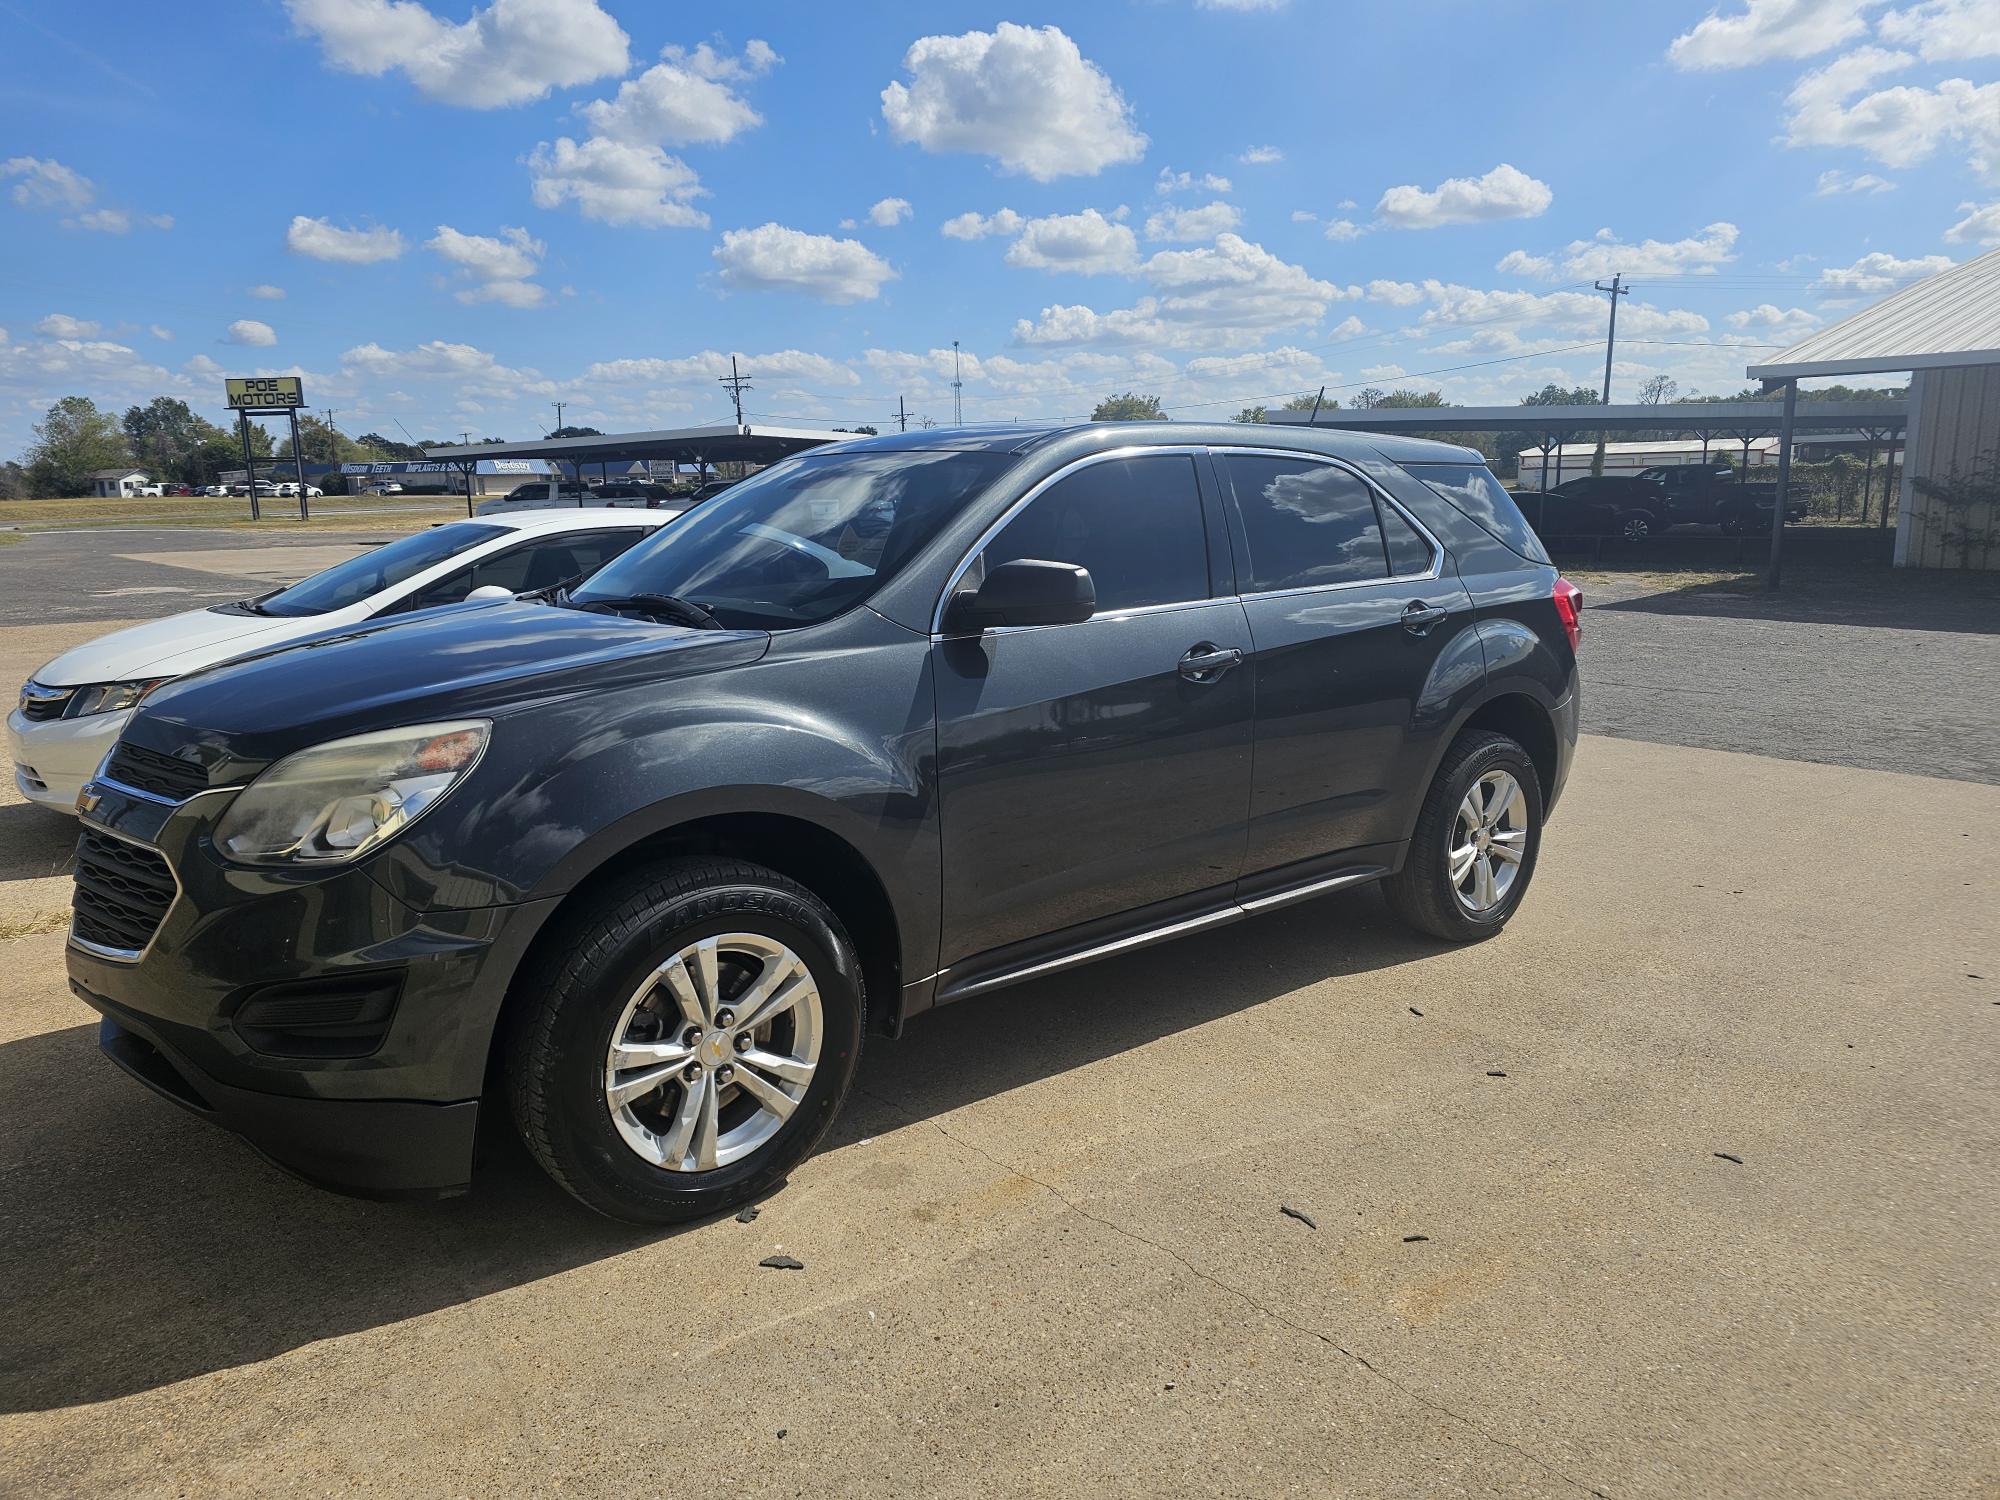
x=1471, y=488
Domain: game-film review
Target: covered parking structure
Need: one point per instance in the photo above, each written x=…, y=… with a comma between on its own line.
x=704, y=447
x=1944, y=330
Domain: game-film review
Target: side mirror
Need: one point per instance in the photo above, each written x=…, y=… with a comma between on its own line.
x=489, y=591
x=1027, y=591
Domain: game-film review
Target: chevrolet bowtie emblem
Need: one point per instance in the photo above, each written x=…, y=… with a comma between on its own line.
x=88, y=798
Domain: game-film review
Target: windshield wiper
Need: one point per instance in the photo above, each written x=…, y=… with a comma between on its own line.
x=663, y=606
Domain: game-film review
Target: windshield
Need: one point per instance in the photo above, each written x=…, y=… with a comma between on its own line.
x=357, y=578
x=801, y=541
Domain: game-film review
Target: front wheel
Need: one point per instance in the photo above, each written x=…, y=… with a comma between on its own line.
x=1476, y=840
x=1637, y=528
x=683, y=1049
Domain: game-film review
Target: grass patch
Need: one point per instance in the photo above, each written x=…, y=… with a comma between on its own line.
x=335, y=512
x=33, y=925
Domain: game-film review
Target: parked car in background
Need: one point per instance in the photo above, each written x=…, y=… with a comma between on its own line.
x=541, y=494
x=265, y=488
x=149, y=489
x=1595, y=505
x=635, y=491
x=289, y=490
x=218, y=491
x=884, y=726
x=710, y=490
x=74, y=707
x=182, y=489
x=382, y=487
x=1716, y=495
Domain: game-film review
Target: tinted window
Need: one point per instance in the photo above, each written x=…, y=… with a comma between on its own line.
x=357, y=578
x=1307, y=524
x=539, y=564
x=1135, y=523
x=803, y=540
x=1472, y=489
x=1409, y=553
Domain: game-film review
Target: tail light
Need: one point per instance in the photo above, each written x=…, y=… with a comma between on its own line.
x=1569, y=608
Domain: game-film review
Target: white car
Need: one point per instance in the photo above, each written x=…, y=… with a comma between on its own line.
x=382, y=487
x=289, y=490
x=72, y=711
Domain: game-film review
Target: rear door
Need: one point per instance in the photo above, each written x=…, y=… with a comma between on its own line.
x=1349, y=602
x=1090, y=769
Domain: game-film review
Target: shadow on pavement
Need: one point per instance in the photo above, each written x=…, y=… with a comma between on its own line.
x=1901, y=599
x=144, y=1247
x=35, y=842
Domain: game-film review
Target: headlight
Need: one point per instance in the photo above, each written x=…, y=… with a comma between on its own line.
x=337, y=800
x=110, y=697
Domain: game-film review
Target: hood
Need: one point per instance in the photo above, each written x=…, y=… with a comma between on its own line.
x=461, y=661
x=167, y=648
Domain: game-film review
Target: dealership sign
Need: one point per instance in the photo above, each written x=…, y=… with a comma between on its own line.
x=265, y=392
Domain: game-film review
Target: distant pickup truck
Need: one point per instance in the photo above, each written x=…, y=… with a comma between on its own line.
x=1715, y=495
x=1636, y=506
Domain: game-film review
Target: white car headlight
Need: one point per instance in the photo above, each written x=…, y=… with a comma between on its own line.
x=110, y=697
x=340, y=799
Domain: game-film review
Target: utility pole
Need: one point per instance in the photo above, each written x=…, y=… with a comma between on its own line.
x=737, y=384
x=465, y=439
x=903, y=419
x=957, y=387
x=559, y=405
x=1616, y=290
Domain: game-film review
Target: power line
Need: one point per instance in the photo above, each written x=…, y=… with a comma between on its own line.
x=737, y=384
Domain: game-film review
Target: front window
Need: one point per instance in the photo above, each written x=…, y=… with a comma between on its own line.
x=386, y=566
x=801, y=541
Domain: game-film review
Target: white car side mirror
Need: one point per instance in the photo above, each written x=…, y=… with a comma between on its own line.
x=489, y=591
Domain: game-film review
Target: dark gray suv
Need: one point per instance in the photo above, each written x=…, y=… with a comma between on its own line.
x=890, y=724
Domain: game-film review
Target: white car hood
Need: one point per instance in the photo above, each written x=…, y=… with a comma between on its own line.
x=177, y=645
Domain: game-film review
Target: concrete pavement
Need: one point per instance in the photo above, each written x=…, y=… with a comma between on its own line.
x=1044, y=1252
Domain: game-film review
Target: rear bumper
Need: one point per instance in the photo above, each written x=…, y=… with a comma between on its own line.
x=1565, y=717
x=370, y=1148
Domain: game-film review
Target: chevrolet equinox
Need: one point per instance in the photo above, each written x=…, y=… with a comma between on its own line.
x=889, y=724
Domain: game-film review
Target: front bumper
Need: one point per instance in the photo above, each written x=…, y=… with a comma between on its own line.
x=55, y=757
x=388, y=1109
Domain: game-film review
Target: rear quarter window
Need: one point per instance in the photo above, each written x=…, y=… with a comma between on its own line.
x=1472, y=490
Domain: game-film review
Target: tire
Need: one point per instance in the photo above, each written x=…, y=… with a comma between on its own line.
x=1422, y=893
x=614, y=976
x=1636, y=528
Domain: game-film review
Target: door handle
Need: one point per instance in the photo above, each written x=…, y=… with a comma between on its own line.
x=1207, y=661
x=1419, y=617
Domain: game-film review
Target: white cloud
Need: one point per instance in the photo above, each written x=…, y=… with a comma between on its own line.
x=889, y=212
x=617, y=183
x=47, y=183
x=686, y=100
x=472, y=374
x=1261, y=156
x=1344, y=229
x=1767, y=317
x=250, y=332
x=1170, y=181
x=495, y=270
x=510, y=52
x=1833, y=181
x=773, y=258
x=1023, y=95
x=265, y=292
x=1088, y=244
x=1503, y=193
x=1193, y=224
x=1304, y=216
x=1878, y=272
x=1765, y=30
x=1521, y=263
x=203, y=366
x=1571, y=313
x=1980, y=226
x=1945, y=30
x=705, y=368
x=1899, y=126
x=63, y=326
x=975, y=226
x=1233, y=292
x=1395, y=293
x=1605, y=253
x=323, y=240
x=164, y=334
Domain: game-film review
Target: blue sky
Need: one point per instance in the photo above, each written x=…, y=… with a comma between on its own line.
x=447, y=215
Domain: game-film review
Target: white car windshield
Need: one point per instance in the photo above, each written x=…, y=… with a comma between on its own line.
x=359, y=577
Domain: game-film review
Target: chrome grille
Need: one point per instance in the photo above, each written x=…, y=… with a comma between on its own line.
x=122, y=893
x=41, y=704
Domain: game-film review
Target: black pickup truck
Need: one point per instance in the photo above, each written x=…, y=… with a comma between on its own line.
x=1715, y=495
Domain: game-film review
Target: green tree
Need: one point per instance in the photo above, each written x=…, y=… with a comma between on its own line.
x=71, y=441
x=1402, y=396
x=321, y=444
x=166, y=437
x=1129, y=408
x=1659, y=390
x=563, y=432
x=1253, y=414
x=376, y=447
x=13, y=481
x=1303, y=403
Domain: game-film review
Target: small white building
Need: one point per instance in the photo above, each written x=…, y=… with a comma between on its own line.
x=118, y=484
x=1574, y=459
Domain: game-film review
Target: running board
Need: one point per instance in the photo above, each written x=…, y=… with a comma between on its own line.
x=1221, y=917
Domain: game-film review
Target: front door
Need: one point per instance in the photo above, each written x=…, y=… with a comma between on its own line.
x=1349, y=605
x=1087, y=770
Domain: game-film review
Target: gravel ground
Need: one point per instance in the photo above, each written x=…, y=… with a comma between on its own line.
x=1898, y=673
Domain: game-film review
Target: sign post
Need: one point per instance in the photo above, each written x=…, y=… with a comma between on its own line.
x=268, y=396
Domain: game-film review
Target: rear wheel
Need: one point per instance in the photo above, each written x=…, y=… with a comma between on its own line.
x=1476, y=840
x=1636, y=528
x=690, y=1044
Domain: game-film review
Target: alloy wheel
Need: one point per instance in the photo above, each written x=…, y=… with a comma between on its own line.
x=713, y=1052
x=1489, y=839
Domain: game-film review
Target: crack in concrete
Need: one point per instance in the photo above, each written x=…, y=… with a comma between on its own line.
x=1242, y=1296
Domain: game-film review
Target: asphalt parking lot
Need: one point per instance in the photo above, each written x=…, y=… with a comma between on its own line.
x=1045, y=1251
